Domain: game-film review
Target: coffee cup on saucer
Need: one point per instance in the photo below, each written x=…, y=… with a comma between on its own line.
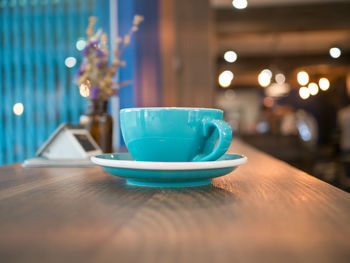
x=175, y=134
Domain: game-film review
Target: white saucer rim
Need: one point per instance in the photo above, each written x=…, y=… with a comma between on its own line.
x=166, y=166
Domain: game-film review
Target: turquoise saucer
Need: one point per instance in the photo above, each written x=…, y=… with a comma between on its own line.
x=167, y=174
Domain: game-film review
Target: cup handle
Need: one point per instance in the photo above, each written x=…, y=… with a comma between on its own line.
x=225, y=137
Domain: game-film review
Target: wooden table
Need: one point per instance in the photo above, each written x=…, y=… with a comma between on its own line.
x=265, y=211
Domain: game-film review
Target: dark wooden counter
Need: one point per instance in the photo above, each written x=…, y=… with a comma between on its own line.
x=265, y=211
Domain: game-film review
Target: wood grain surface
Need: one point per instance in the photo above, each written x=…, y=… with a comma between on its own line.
x=265, y=211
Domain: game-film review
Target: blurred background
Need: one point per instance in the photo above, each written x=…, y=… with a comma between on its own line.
x=280, y=70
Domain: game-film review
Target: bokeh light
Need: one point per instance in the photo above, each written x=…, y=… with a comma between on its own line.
x=225, y=78
x=267, y=72
x=304, y=93
x=240, y=4
x=18, y=109
x=303, y=78
x=335, y=52
x=268, y=102
x=230, y=56
x=84, y=90
x=280, y=78
x=324, y=84
x=80, y=45
x=230, y=94
x=70, y=62
x=264, y=77
x=313, y=88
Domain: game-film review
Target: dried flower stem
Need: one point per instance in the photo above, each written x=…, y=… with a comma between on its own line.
x=95, y=73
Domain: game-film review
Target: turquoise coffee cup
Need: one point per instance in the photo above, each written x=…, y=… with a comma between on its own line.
x=175, y=134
